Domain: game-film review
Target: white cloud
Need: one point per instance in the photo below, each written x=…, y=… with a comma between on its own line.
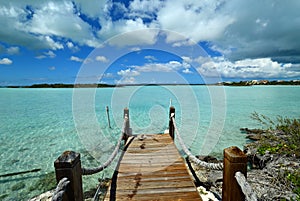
x=59, y=19
x=44, y=25
x=102, y=59
x=6, y=61
x=13, y=50
x=72, y=47
x=135, y=49
x=49, y=54
x=237, y=29
x=197, y=20
x=170, y=66
x=131, y=33
x=51, y=43
x=187, y=71
x=87, y=60
x=150, y=58
x=93, y=8
x=128, y=73
x=77, y=59
x=144, y=8
x=247, y=68
x=52, y=68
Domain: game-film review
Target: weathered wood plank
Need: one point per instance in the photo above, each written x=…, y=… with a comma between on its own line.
x=152, y=169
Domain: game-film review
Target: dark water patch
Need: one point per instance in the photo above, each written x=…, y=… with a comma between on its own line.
x=3, y=196
x=14, y=161
x=45, y=183
x=17, y=178
x=18, y=186
x=23, y=149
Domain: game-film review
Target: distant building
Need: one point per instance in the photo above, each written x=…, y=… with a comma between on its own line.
x=253, y=82
x=263, y=82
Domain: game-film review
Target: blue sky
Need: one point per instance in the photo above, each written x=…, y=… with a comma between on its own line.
x=147, y=41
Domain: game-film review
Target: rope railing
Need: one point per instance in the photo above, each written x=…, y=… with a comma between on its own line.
x=250, y=195
x=214, y=166
x=90, y=171
x=60, y=189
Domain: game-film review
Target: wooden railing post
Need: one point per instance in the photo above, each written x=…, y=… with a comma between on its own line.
x=234, y=161
x=108, y=119
x=171, y=125
x=127, y=126
x=69, y=165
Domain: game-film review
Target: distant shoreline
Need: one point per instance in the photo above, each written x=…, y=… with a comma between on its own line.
x=241, y=83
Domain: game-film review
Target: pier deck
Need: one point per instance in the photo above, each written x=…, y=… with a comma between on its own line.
x=151, y=169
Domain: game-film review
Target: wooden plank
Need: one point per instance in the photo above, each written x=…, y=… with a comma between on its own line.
x=152, y=169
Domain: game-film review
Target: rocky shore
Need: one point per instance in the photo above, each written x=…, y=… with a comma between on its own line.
x=273, y=169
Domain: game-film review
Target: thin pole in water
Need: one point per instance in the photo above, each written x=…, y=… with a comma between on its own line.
x=108, y=119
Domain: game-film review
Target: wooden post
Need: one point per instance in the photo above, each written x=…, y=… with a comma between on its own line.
x=108, y=119
x=171, y=125
x=69, y=165
x=234, y=161
x=127, y=126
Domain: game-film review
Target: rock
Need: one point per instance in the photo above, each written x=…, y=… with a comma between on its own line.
x=206, y=195
x=252, y=131
x=47, y=196
x=208, y=159
x=253, y=137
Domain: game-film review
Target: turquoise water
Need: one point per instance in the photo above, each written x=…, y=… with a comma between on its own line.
x=37, y=125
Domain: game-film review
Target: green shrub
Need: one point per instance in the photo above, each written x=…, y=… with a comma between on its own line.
x=287, y=143
x=289, y=128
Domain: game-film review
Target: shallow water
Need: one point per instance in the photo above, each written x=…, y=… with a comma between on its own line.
x=37, y=125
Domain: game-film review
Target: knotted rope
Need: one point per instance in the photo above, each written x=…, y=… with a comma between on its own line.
x=191, y=157
x=89, y=171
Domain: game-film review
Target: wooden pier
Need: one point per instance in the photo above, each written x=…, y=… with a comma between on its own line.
x=149, y=168
x=152, y=169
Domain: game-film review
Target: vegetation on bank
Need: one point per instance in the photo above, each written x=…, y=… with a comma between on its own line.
x=261, y=82
x=240, y=83
x=282, y=137
x=60, y=85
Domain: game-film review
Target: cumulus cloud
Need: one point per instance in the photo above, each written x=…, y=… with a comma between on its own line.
x=144, y=8
x=150, y=58
x=198, y=20
x=262, y=29
x=128, y=73
x=5, y=61
x=161, y=67
x=102, y=59
x=131, y=33
x=72, y=47
x=77, y=59
x=13, y=50
x=247, y=68
x=49, y=54
x=37, y=26
x=187, y=71
x=262, y=34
